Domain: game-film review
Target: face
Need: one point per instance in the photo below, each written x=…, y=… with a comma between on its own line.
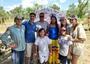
x=18, y=21
x=42, y=33
x=32, y=17
x=64, y=21
x=41, y=17
x=53, y=20
x=73, y=22
x=63, y=31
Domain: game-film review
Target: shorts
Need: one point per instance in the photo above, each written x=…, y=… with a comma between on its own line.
x=43, y=57
x=78, y=49
x=29, y=49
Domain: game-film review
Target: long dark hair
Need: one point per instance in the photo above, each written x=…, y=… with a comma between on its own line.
x=56, y=24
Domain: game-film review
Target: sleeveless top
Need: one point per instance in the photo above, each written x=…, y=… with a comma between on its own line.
x=53, y=32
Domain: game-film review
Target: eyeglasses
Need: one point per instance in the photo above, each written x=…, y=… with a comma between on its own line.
x=19, y=19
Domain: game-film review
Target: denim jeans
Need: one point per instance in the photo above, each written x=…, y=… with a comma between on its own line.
x=17, y=57
x=63, y=59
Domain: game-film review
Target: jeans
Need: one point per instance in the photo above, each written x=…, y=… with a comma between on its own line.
x=63, y=59
x=17, y=57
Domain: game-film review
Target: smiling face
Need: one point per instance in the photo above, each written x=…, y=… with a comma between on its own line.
x=63, y=31
x=63, y=21
x=53, y=20
x=18, y=21
x=41, y=16
x=42, y=33
x=32, y=17
x=74, y=22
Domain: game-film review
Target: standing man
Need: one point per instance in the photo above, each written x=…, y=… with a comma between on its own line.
x=30, y=29
x=42, y=23
x=14, y=38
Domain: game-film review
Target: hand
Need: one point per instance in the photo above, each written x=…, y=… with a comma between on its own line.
x=12, y=46
x=35, y=54
x=76, y=40
x=50, y=53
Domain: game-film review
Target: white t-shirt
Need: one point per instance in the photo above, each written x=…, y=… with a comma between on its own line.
x=43, y=43
x=65, y=42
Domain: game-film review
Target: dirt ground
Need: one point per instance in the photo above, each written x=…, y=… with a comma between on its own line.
x=86, y=55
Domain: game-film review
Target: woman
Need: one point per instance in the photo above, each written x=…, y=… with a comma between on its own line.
x=14, y=37
x=65, y=24
x=79, y=36
x=53, y=31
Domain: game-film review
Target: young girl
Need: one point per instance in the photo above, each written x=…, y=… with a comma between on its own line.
x=53, y=31
x=42, y=42
x=65, y=42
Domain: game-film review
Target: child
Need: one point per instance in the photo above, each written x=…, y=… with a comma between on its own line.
x=53, y=31
x=42, y=42
x=65, y=42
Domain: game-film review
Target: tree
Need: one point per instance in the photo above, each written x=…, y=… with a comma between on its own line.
x=27, y=11
x=71, y=10
x=36, y=6
x=2, y=15
x=79, y=10
x=16, y=11
x=2, y=12
x=55, y=7
x=82, y=7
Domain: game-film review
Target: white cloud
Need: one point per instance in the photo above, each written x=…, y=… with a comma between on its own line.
x=27, y=3
x=30, y=3
x=8, y=8
x=62, y=1
x=76, y=3
x=45, y=2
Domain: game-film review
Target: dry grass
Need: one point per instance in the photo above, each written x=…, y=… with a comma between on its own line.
x=4, y=26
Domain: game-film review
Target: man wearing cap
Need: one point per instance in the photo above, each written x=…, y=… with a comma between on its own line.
x=14, y=38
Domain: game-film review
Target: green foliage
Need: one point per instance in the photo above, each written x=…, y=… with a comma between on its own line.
x=80, y=10
x=72, y=10
x=55, y=7
x=2, y=12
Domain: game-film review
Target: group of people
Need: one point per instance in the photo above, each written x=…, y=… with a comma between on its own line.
x=51, y=42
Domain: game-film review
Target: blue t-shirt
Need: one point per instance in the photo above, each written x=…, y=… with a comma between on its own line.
x=30, y=29
x=53, y=32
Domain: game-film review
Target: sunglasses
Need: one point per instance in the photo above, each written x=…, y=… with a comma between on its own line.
x=41, y=16
x=19, y=19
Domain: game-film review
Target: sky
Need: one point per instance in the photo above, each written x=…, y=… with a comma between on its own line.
x=11, y=4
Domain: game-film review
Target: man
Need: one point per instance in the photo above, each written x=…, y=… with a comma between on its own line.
x=14, y=38
x=30, y=29
x=42, y=23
